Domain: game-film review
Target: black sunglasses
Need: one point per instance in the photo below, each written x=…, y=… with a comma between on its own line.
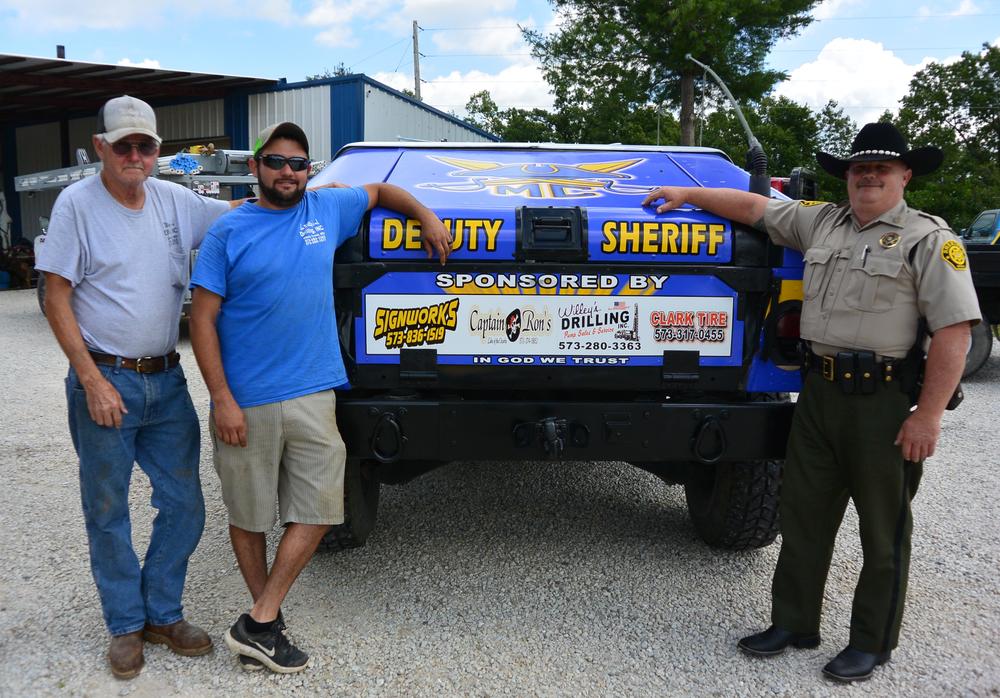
x=146, y=148
x=278, y=162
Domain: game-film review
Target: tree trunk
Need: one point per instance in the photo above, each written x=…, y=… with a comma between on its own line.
x=687, y=108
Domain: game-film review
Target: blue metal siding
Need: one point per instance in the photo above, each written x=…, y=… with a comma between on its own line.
x=236, y=120
x=347, y=110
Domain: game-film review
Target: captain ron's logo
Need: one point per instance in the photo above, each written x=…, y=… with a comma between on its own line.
x=539, y=180
x=414, y=327
x=514, y=325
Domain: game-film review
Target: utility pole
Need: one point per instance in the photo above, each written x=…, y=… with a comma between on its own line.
x=416, y=61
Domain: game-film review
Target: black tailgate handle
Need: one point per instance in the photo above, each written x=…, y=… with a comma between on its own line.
x=551, y=234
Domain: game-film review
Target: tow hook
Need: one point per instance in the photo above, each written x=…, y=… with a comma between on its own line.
x=387, y=428
x=709, y=432
x=553, y=432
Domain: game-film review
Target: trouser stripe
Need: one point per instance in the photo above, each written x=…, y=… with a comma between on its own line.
x=897, y=555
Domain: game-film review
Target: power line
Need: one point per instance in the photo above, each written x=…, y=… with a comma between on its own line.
x=783, y=50
x=971, y=15
x=381, y=50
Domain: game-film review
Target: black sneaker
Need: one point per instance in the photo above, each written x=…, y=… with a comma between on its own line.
x=251, y=664
x=272, y=649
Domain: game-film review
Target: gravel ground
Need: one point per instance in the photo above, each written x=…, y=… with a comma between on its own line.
x=551, y=579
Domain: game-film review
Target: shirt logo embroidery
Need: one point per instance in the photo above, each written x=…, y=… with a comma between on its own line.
x=312, y=232
x=954, y=254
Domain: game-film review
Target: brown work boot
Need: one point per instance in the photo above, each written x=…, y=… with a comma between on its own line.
x=181, y=637
x=125, y=655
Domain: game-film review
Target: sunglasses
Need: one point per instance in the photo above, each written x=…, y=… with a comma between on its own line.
x=146, y=148
x=278, y=162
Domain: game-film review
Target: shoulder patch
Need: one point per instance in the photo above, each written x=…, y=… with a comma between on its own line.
x=812, y=203
x=953, y=253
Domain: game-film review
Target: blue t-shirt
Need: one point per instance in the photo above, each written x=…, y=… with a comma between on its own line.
x=274, y=271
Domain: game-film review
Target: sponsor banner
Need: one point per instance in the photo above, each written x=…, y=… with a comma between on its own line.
x=530, y=318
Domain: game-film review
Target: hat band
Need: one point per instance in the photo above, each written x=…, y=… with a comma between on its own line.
x=893, y=153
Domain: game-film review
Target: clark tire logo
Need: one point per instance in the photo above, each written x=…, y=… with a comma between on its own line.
x=414, y=327
x=689, y=325
x=539, y=180
x=519, y=325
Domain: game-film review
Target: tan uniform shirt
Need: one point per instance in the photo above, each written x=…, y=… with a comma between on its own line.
x=862, y=287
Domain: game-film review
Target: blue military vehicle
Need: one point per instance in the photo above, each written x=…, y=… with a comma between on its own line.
x=568, y=323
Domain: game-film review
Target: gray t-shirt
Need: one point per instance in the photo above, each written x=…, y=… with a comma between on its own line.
x=128, y=268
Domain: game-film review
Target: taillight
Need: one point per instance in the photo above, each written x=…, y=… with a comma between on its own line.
x=784, y=331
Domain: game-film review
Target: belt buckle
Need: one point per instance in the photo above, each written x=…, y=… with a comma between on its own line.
x=139, y=364
x=828, y=368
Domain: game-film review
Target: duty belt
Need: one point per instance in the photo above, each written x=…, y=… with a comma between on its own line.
x=144, y=364
x=854, y=371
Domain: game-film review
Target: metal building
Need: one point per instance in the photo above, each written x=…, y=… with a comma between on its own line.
x=48, y=111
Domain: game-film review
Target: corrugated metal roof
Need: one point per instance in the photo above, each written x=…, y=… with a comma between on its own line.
x=35, y=90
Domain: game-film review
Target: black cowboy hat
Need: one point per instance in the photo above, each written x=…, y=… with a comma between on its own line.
x=882, y=141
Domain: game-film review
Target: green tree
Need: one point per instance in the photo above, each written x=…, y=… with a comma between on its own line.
x=614, y=57
x=957, y=108
x=339, y=71
x=572, y=124
x=835, y=134
x=482, y=112
x=786, y=130
x=790, y=133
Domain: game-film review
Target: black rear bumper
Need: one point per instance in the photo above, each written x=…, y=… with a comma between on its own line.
x=393, y=430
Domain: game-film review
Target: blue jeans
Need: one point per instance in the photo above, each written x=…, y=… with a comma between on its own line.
x=161, y=434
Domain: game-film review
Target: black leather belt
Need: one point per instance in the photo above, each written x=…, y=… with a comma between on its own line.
x=853, y=367
x=145, y=364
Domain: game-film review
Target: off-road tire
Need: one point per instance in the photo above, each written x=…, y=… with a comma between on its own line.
x=735, y=505
x=979, y=350
x=361, y=495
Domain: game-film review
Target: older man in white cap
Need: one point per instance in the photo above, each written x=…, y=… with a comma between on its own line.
x=116, y=266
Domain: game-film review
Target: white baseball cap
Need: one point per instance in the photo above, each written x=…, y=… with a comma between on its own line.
x=123, y=116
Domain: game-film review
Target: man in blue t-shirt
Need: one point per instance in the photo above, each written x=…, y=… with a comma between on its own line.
x=264, y=332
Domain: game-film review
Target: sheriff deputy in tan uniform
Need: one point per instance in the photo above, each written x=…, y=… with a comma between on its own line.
x=873, y=269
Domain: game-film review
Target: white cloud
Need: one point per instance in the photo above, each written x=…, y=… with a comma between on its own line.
x=448, y=13
x=966, y=7
x=39, y=16
x=502, y=37
x=963, y=9
x=339, y=13
x=862, y=76
x=144, y=63
x=832, y=8
x=516, y=85
x=459, y=28
x=280, y=11
x=62, y=15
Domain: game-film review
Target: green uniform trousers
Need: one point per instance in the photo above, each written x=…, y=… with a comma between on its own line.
x=840, y=447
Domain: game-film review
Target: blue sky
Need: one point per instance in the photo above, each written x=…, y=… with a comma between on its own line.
x=862, y=54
